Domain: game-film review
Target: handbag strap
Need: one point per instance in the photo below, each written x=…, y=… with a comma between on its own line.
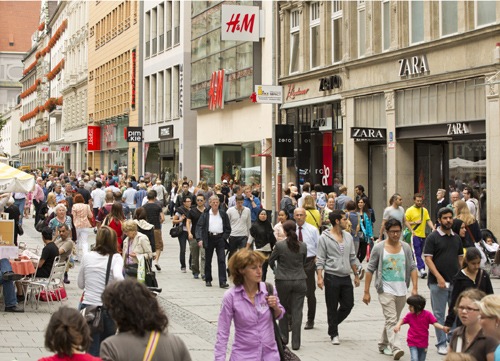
x=108, y=269
x=317, y=225
x=480, y=278
x=421, y=219
x=151, y=346
x=470, y=234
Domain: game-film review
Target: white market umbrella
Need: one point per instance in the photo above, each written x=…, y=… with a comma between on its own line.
x=14, y=180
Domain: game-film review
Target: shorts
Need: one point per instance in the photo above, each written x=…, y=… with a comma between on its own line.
x=158, y=240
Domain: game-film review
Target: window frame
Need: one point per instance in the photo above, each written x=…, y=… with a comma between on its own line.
x=361, y=7
x=441, y=18
x=337, y=15
x=294, y=30
x=313, y=23
x=410, y=24
x=476, y=26
x=384, y=22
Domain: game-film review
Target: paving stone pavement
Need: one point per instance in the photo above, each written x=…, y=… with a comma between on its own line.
x=193, y=310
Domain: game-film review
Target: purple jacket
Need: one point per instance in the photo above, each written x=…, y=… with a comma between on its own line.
x=254, y=331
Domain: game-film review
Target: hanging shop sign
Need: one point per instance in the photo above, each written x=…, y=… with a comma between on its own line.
x=414, y=66
x=240, y=23
x=132, y=80
x=216, y=91
x=268, y=94
x=166, y=132
x=63, y=148
x=93, y=137
x=284, y=142
x=330, y=83
x=368, y=134
x=133, y=134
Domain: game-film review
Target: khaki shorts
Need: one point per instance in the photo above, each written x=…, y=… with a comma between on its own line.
x=158, y=240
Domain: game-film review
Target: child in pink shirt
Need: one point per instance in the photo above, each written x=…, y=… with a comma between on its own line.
x=419, y=320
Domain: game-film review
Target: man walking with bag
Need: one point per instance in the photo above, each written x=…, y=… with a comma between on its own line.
x=418, y=217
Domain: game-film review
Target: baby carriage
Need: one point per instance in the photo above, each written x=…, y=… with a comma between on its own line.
x=490, y=246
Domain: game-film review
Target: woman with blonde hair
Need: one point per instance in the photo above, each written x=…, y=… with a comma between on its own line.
x=489, y=311
x=51, y=203
x=312, y=214
x=473, y=231
x=134, y=244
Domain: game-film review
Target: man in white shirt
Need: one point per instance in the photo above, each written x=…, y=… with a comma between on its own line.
x=310, y=236
x=97, y=195
x=241, y=221
x=129, y=196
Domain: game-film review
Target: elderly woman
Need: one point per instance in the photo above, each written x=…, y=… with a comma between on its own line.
x=140, y=319
x=133, y=245
x=489, y=311
x=251, y=308
x=469, y=338
x=101, y=266
x=61, y=217
x=81, y=215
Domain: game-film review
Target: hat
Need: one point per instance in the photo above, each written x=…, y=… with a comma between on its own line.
x=224, y=181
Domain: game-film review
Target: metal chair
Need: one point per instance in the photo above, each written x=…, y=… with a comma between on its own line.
x=51, y=284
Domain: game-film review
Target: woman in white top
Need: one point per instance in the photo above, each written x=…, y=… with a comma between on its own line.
x=92, y=279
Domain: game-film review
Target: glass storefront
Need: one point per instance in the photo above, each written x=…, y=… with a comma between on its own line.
x=320, y=149
x=236, y=162
x=167, y=152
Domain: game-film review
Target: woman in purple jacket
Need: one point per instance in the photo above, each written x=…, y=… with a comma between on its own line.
x=249, y=306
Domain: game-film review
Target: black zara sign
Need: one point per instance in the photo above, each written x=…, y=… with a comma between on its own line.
x=368, y=134
x=166, y=132
x=134, y=134
x=330, y=82
x=284, y=143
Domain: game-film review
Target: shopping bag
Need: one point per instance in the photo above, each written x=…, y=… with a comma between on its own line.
x=141, y=269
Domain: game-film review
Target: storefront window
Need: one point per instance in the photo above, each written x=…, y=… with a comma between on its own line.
x=239, y=163
x=467, y=165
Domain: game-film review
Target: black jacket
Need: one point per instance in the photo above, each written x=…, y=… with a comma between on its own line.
x=202, y=227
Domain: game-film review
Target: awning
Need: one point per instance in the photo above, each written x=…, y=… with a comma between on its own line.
x=14, y=180
x=301, y=103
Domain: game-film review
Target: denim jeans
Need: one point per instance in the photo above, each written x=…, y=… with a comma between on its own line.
x=98, y=337
x=20, y=204
x=182, y=249
x=418, y=353
x=9, y=290
x=440, y=297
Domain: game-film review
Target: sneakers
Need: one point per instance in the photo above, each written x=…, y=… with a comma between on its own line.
x=335, y=340
x=158, y=268
x=361, y=273
x=14, y=309
x=309, y=325
x=183, y=270
x=11, y=276
x=398, y=354
x=66, y=280
x=422, y=273
x=224, y=285
x=442, y=350
x=386, y=351
x=196, y=276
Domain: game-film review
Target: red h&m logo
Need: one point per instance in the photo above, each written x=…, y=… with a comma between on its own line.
x=216, y=91
x=247, y=24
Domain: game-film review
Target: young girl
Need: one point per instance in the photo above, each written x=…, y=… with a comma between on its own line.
x=419, y=320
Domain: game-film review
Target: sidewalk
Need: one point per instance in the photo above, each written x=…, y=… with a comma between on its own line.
x=193, y=310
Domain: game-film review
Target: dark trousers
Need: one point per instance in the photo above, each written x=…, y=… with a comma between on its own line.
x=218, y=245
x=98, y=337
x=338, y=290
x=182, y=249
x=362, y=251
x=37, y=205
x=418, y=247
x=292, y=295
x=310, y=269
x=236, y=243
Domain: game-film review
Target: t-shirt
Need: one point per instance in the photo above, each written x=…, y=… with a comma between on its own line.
x=445, y=251
x=418, y=334
x=49, y=253
x=153, y=211
x=414, y=214
x=194, y=215
x=394, y=213
x=67, y=245
x=75, y=357
x=129, y=196
x=393, y=273
x=313, y=218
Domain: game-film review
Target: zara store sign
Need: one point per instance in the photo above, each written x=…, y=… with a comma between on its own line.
x=413, y=66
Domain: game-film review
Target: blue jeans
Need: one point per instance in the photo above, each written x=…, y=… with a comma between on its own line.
x=9, y=290
x=418, y=246
x=20, y=204
x=418, y=353
x=182, y=252
x=98, y=337
x=440, y=297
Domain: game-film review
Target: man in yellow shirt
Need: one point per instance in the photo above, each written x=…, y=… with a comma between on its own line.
x=418, y=217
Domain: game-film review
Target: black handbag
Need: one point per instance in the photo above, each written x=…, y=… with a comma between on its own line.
x=176, y=231
x=285, y=353
x=94, y=314
x=150, y=279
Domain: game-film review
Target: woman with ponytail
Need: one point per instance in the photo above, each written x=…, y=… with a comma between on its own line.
x=287, y=260
x=68, y=335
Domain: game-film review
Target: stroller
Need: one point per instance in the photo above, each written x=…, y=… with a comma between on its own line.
x=491, y=249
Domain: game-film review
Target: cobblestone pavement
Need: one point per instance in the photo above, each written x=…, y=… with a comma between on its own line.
x=193, y=310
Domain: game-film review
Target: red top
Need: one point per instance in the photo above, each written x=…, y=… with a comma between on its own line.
x=75, y=357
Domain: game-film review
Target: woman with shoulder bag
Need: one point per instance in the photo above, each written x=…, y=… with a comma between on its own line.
x=134, y=244
x=365, y=233
x=144, y=227
x=250, y=307
x=114, y=220
x=142, y=326
x=313, y=217
x=92, y=277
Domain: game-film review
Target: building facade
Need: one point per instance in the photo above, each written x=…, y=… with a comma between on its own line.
x=233, y=134
x=74, y=87
x=169, y=123
x=400, y=96
x=113, y=53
